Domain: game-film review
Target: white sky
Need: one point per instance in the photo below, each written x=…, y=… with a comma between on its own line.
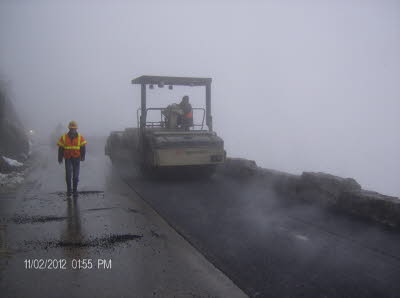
x=297, y=85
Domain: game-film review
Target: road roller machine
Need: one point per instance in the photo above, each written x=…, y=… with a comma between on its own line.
x=162, y=144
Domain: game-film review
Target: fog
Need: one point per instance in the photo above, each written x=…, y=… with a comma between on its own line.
x=297, y=85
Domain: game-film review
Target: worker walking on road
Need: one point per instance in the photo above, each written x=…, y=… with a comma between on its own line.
x=72, y=147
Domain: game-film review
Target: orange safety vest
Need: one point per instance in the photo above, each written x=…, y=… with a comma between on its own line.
x=189, y=115
x=72, y=148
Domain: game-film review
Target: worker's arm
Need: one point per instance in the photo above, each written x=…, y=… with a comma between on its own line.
x=60, y=154
x=83, y=152
x=60, y=144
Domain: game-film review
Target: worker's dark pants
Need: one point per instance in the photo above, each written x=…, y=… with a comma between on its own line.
x=72, y=166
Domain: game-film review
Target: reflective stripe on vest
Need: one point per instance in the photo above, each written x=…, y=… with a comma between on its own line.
x=73, y=147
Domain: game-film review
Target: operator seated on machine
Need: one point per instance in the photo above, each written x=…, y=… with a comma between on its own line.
x=185, y=118
x=179, y=115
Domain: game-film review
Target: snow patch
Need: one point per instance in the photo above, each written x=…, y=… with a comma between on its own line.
x=12, y=162
x=11, y=180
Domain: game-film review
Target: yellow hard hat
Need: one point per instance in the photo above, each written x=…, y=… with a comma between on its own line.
x=73, y=124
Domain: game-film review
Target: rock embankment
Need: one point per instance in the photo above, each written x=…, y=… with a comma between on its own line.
x=14, y=144
x=324, y=189
x=14, y=140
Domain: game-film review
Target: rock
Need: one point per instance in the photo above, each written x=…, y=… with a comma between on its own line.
x=324, y=188
x=239, y=167
x=14, y=141
x=281, y=182
x=371, y=205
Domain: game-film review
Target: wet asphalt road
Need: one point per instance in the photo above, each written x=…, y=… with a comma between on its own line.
x=276, y=247
x=140, y=255
x=268, y=245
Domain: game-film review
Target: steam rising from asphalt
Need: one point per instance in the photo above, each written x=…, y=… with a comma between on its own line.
x=243, y=223
x=301, y=86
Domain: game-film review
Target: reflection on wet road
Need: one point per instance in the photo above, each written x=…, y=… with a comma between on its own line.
x=73, y=234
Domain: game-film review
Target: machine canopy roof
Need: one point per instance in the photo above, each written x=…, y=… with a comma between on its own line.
x=176, y=81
